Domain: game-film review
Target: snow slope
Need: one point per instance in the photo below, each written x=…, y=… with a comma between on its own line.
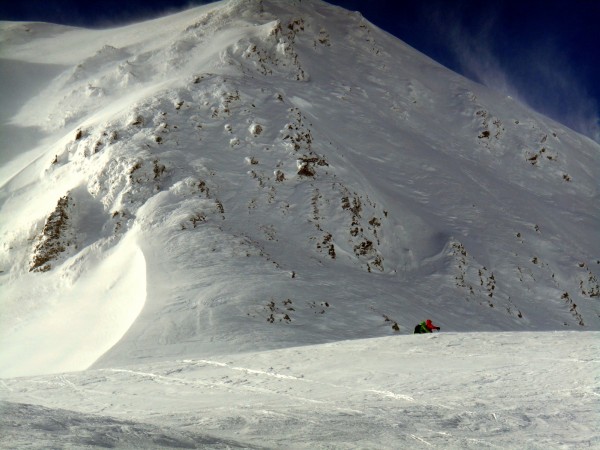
x=452, y=390
x=248, y=176
x=81, y=323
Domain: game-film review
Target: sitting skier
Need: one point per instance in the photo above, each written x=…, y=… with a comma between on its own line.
x=426, y=327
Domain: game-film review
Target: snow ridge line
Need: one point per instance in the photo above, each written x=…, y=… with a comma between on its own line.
x=417, y=438
x=392, y=395
x=168, y=379
x=187, y=382
x=153, y=376
x=388, y=394
x=244, y=369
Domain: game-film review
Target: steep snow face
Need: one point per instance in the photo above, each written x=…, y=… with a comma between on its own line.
x=256, y=174
x=74, y=325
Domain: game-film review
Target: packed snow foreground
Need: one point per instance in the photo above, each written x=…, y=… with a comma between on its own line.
x=219, y=228
x=452, y=390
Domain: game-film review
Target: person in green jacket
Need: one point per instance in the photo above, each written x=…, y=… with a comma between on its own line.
x=426, y=327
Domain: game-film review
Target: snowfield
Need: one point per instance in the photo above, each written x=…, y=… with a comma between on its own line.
x=219, y=228
x=448, y=390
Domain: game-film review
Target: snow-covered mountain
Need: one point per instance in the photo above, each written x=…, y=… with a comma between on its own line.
x=256, y=175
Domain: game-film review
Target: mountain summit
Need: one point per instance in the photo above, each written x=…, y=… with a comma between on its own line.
x=251, y=175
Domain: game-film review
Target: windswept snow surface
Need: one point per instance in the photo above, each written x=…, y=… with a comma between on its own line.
x=248, y=176
x=449, y=391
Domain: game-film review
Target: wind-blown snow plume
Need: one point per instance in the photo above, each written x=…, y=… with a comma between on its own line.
x=537, y=73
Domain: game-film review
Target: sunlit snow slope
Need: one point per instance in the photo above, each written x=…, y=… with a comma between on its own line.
x=251, y=175
x=510, y=390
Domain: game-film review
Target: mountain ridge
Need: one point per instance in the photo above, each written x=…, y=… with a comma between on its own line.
x=283, y=175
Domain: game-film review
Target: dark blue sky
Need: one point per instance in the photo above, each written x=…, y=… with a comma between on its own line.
x=543, y=52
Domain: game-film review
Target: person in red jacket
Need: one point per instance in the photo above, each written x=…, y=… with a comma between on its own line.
x=426, y=327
